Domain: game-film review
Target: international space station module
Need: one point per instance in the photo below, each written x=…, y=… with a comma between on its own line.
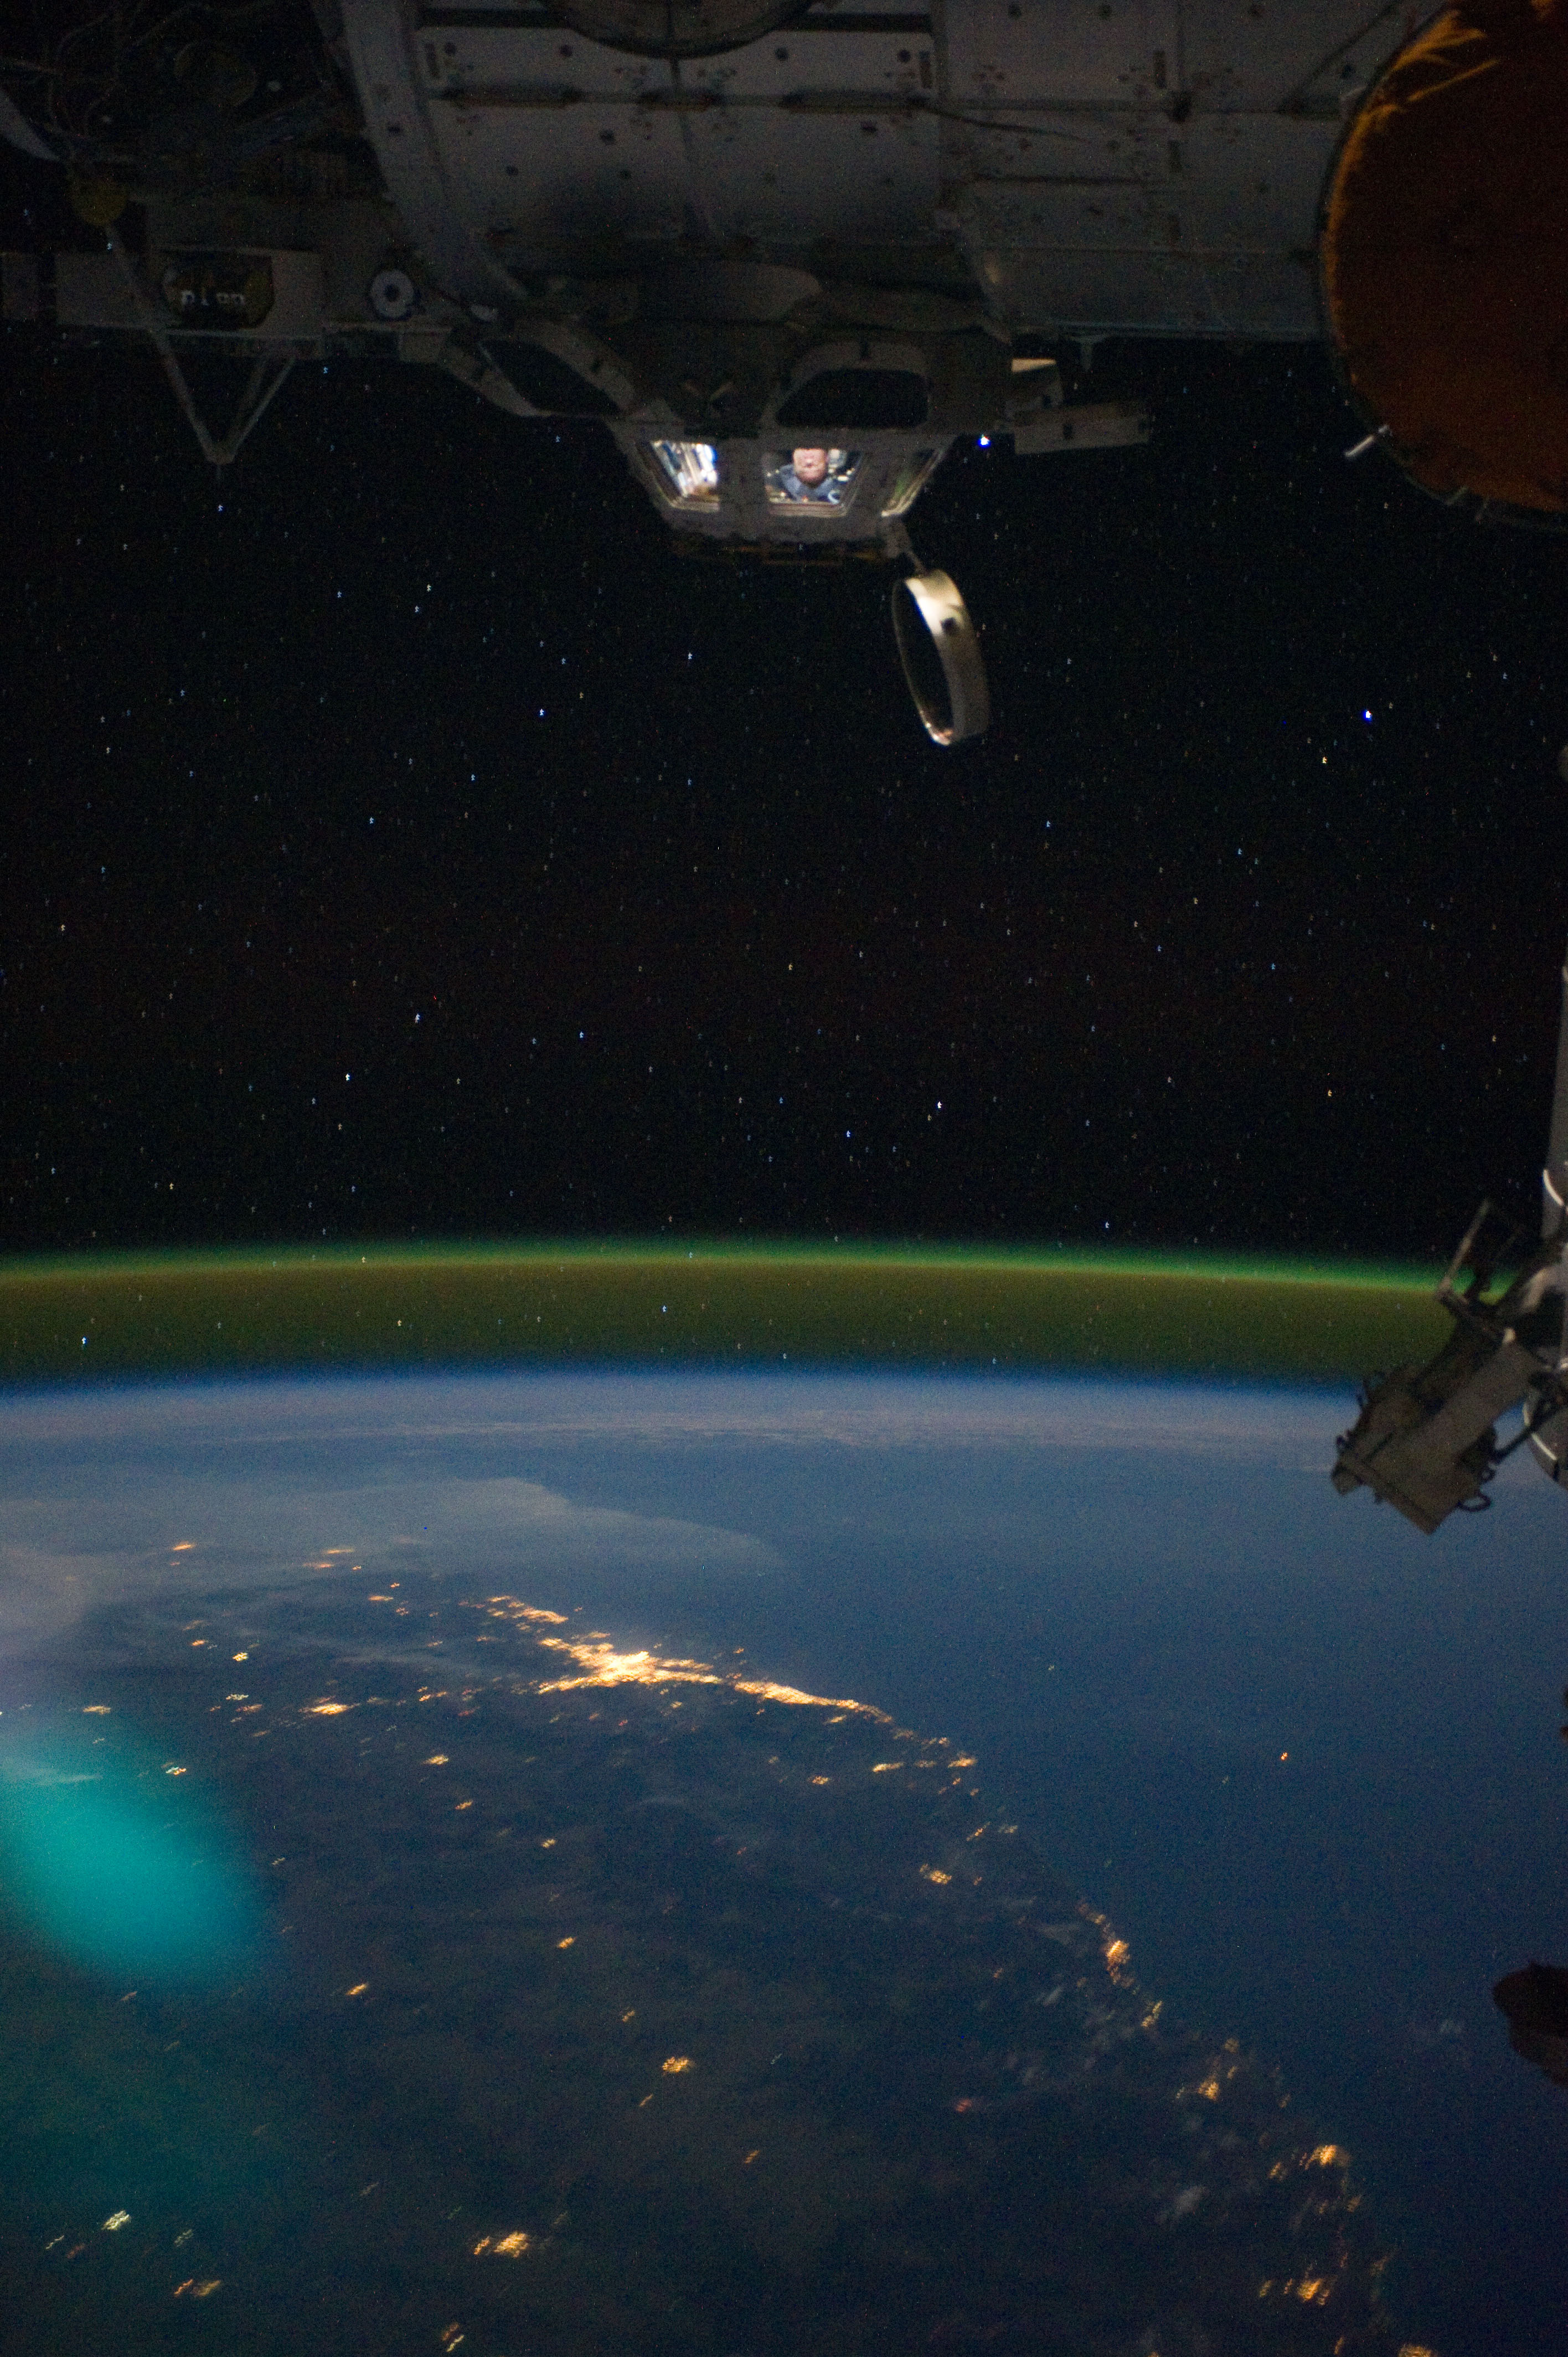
x=789, y=251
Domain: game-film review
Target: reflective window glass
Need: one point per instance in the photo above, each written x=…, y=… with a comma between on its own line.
x=811, y=478
x=908, y=481
x=690, y=471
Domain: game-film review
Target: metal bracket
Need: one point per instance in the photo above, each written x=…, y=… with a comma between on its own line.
x=269, y=371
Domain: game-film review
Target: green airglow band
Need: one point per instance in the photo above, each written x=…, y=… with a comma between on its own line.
x=303, y=1310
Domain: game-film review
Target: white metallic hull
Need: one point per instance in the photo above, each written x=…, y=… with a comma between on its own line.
x=1150, y=168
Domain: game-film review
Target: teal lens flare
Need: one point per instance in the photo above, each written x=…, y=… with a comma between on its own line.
x=115, y=1861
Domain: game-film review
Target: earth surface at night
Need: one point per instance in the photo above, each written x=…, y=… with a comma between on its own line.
x=752, y=1864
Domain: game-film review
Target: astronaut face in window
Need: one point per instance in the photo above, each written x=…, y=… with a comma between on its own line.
x=810, y=476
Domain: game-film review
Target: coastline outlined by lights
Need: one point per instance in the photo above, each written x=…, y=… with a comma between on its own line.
x=601, y=1666
x=791, y=1800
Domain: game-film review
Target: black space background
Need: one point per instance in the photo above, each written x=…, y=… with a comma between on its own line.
x=670, y=920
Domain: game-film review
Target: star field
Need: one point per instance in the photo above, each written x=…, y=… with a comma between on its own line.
x=406, y=842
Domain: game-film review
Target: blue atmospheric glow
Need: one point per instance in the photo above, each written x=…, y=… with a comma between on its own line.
x=115, y=1860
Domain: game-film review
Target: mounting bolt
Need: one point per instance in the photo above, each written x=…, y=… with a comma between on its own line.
x=394, y=294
